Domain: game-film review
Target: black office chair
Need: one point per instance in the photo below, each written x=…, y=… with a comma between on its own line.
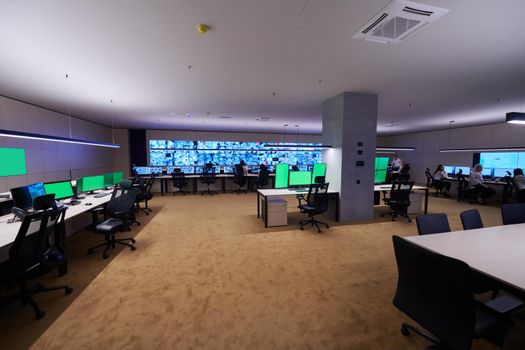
x=121, y=215
x=432, y=183
x=144, y=194
x=263, y=178
x=464, y=192
x=432, y=223
x=436, y=292
x=513, y=213
x=399, y=200
x=520, y=196
x=239, y=178
x=316, y=203
x=179, y=181
x=208, y=178
x=510, y=188
x=471, y=220
x=404, y=173
x=37, y=250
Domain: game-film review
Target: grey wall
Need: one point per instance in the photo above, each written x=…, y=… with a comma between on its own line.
x=428, y=144
x=53, y=161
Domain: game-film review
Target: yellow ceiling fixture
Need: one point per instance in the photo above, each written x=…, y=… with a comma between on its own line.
x=203, y=28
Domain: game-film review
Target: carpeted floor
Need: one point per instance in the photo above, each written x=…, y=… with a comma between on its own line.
x=207, y=275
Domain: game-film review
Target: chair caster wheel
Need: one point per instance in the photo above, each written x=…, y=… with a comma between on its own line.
x=327, y=226
x=133, y=241
x=405, y=331
x=105, y=256
x=69, y=290
x=133, y=248
x=40, y=314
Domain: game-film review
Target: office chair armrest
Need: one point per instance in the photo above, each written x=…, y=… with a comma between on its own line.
x=121, y=213
x=504, y=304
x=300, y=198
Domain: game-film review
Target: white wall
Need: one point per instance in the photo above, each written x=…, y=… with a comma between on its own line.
x=428, y=144
x=53, y=161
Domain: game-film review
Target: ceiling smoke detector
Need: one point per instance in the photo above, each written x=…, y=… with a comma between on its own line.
x=398, y=20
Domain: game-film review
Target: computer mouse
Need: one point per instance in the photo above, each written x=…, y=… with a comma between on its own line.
x=87, y=203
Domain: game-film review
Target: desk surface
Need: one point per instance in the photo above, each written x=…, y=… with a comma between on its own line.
x=8, y=232
x=389, y=187
x=284, y=192
x=494, y=251
x=192, y=176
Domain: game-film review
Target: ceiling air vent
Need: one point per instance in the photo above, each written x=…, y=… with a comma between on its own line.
x=397, y=21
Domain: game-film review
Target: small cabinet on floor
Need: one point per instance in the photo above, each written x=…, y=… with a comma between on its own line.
x=277, y=211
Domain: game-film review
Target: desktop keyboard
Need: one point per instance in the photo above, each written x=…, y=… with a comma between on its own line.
x=102, y=194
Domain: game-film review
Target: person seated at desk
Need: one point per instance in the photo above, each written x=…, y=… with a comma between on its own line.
x=441, y=180
x=519, y=179
x=244, y=167
x=480, y=191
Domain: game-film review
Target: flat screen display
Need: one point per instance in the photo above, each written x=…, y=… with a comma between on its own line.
x=502, y=172
x=300, y=178
x=61, y=189
x=380, y=169
x=465, y=170
x=36, y=190
x=90, y=183
x=281, y=175
x=450, y=169
x=12, y=161
x=319, y=169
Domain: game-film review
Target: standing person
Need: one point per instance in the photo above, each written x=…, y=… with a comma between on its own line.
x=480, y=191
x=441, y=179
x=396, y=163
x=244, y=167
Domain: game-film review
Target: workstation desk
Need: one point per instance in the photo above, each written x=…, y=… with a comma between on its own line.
x=8, y=231
x=164, y=180
x=498, y=184
x=496, y=252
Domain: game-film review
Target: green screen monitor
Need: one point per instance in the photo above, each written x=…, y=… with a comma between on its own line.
x=117, y=177
x=380, y=169
x=12, y=161
x=61, y=189
x=90, y=183
x=108, y=179
x=318, y=170
x=281, y=175
x=300, y=178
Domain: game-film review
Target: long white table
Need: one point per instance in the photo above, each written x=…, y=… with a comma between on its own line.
x=497, y=252
x=8, y=231
x=272, y=192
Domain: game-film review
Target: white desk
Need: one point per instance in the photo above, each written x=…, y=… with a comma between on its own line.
x=272, y=192
x=8, y=231
x=497, y=252
x=381, y=188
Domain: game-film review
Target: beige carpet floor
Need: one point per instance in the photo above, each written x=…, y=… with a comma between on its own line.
x=207, y=275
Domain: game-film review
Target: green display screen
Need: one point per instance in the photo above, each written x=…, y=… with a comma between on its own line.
x=61, y=189
x=381, y=165
x=91, y=183
x=108, y=179
x=281, y=175
x=117, y=177
x=318, y=170
x=300, y=178
x=12, y=161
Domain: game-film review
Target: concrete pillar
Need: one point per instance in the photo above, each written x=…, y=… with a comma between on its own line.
x=349, y=125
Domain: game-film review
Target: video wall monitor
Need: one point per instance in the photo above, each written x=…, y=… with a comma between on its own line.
x=198, y=169
x=281, y=175
x=486, y=171
x=228, y=169
x=90, y=183
x=142, y=170
x=61, y=189
x=465, y=170
x=12, y=161
x=502, y=172
x=36, y=190
x=254, y=169
x=21, y=197
x=187, y=169
x=450, y=169
x=380, y=169
x=319, y=169
x=300, y=178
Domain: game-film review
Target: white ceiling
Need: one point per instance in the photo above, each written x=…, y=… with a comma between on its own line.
x=469, y=66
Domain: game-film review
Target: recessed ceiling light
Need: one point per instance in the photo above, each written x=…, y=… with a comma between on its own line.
x=224, y=117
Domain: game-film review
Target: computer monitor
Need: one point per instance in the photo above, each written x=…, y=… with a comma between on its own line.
x=21, y=197
x=281, y=175
x=450, y=169
x=254, y=169
x=228, y=169
x=142, y=170
x=465, y=170
x=61, y=189
x=36, y=190
x=486, y=171
x=300, y=178
x=502, y=172
x=90, y=183
x=380, y=169
x=108, y=179
x=319, y=169
x=117, y=177
x=198, y=169
x=187, y=169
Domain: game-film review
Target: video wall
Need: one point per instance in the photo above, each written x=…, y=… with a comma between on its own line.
x=510, y=160
x=191, y=153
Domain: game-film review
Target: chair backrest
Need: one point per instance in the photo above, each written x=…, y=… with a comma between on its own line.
x=238, y=173
x=319, y=179
x=208, y=174
x=44, y=202
x=471, y=220
x=178, y=178
x=436, y=292
x=432, y=223
x=122, y=200
x=513, y=213
x=430, y=178
x=400, y=192
x=40, y=239
x=318, y=196
x=125, y=183
x=263, y=176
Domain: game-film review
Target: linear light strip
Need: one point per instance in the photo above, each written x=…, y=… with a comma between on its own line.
x=492, y=149
x=378, y=149
x=39, y=137
x=291, y=145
